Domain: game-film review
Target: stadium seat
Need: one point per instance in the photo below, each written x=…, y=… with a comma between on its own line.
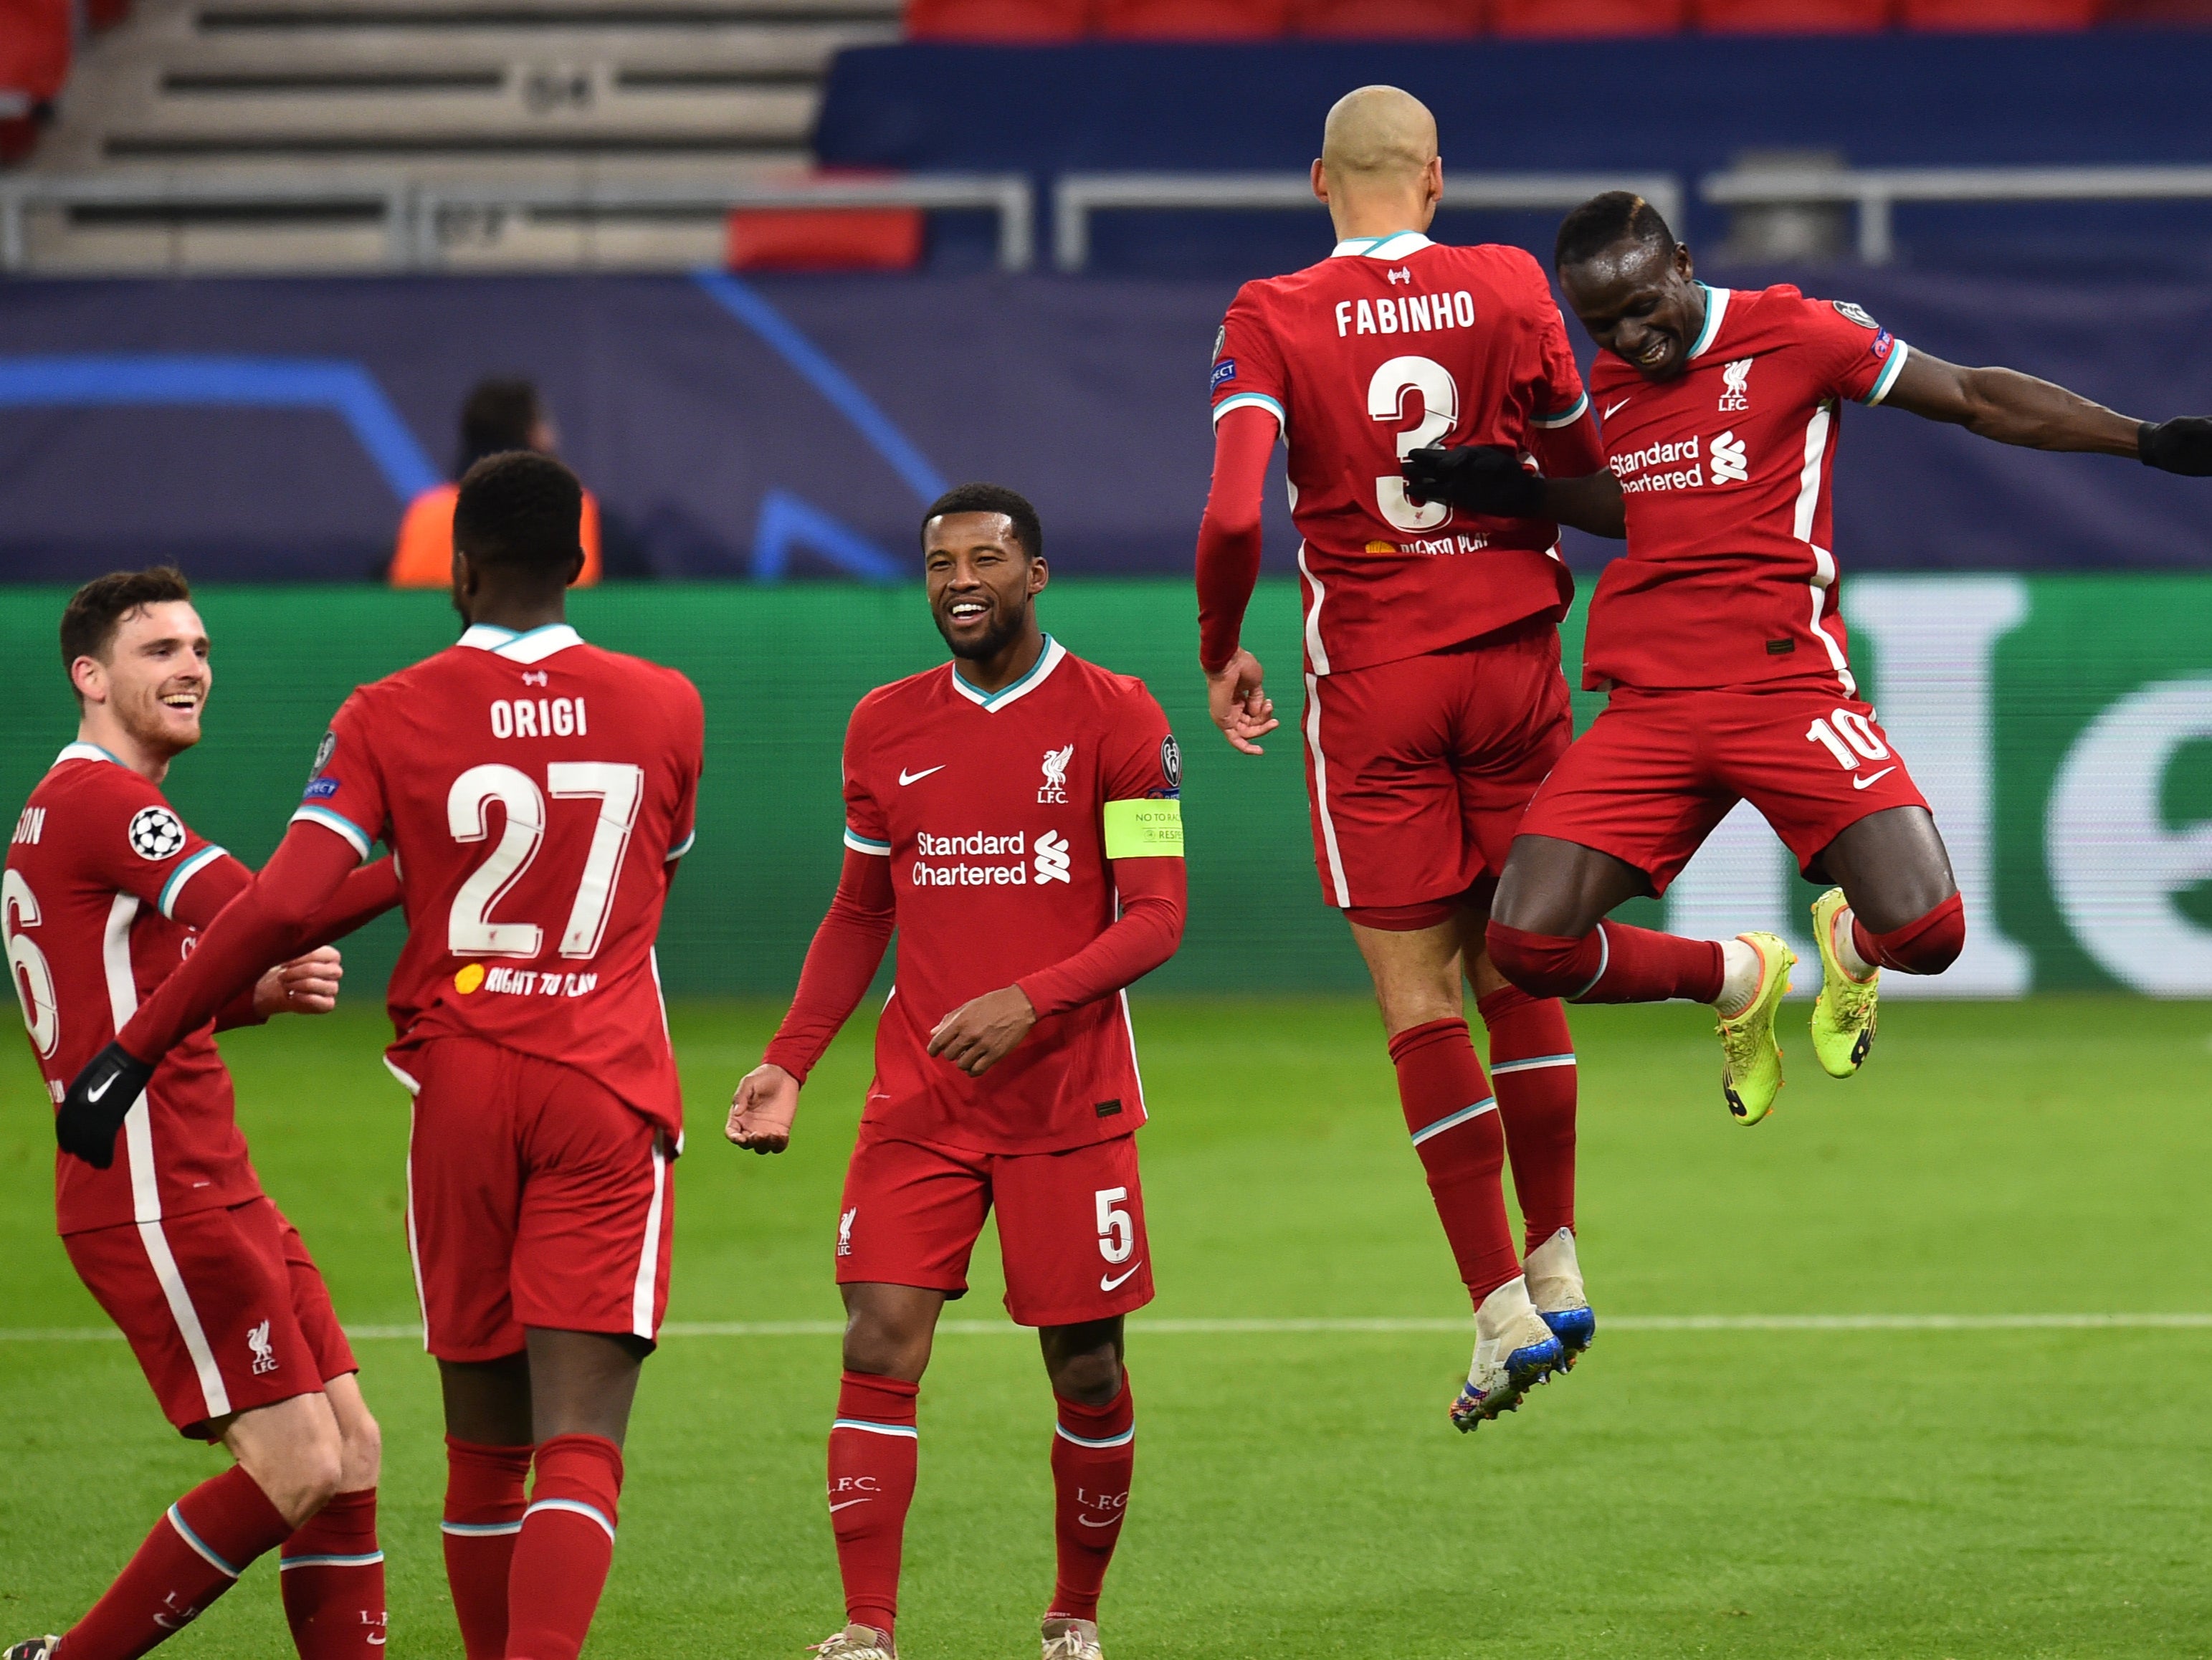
x=825, y=238
x=1586, y=17
x=35, y=47
x=1193, y=19
x=998, y=20
x=1795, y=16
x=1996, y=15
x=1404, y=20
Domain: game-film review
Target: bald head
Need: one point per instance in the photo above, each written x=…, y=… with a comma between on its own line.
x=1378, y=136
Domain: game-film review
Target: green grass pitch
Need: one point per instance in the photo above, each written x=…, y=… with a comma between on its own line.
x=1943, y=1492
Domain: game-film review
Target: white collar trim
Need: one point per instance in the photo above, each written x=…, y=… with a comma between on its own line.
x=1717, y=303
x=1396, y=246
x=1040, y=671
x=534, y=647
x=82, y=751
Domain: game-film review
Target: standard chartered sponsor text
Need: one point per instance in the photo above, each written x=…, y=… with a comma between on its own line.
x=977, y=844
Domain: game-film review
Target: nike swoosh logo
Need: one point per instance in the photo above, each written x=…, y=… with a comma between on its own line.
x=848, y=1505
x=1111, y=1522
x=1609, y=414
x=1872, y=778
x=376, y=1642
x=906, y=777
x=106, y=1085
x=1104, y=1284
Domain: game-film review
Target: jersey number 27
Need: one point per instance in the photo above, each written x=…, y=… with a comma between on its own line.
x=619, y=788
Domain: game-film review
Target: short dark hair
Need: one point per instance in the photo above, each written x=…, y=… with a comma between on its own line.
x=991, y=498
x=96, y=610
x=501, y=415
x=521, y=511
x=1617, y=215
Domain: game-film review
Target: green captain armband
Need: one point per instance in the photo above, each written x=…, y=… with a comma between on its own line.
x=1150, y=828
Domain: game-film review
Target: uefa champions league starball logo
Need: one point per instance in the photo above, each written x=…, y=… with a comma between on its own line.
x=156, y=833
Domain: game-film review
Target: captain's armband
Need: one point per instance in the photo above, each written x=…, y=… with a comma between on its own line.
x=1149, y=828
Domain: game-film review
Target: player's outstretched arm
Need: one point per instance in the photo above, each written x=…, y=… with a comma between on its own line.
x=2012, y=408
x=847, y=950
x=1229, y=541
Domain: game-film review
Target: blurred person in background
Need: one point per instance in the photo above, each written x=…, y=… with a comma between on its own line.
x=502, y=414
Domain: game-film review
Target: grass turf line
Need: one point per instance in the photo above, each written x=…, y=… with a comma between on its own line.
x=2015, y=1493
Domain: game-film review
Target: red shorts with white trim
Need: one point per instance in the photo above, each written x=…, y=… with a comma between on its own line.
x=1659, y=769
x=535, y=1197
x=1071, y=1224
x=1418, y=771
x=224, y=1308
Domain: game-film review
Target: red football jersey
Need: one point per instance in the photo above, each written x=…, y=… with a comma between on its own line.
x=534, y=790
x=93, y=875
x=1726, y=468
x=1389, y=344
x=1000, y=813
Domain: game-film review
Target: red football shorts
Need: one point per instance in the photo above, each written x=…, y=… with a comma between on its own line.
x=224, y=1308
x=1418, y=771
x=535, y=1197
x=1659, y=769
x=1071, y=1224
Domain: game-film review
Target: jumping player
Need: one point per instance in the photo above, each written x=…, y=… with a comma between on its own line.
x=535, y=792
x=106, y=887
x=1718, y=635
x=1434, y=701
x=997, y=812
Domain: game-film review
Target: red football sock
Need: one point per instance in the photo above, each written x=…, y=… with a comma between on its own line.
x=1532, y=1067
x=1454, y=1122
x=873, y=1449
x=333, y=1581
x=1094, y=1449
x=1611, y=963
x=483, y=1513
x=194, y=1554
x=565, y=1547
x=1928, y=944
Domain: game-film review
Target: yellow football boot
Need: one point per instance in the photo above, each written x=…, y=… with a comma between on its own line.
x=1751, y=1061
x=1843, y=1012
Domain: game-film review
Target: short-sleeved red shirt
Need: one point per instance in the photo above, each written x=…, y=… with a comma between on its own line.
x=1391, y=343
x=94, y=873
x=534, y=790
x=999, y=814
x=1726, y=469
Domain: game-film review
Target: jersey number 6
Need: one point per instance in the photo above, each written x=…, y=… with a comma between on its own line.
x=34, y=980
x=470, y=931
x=1386, y=401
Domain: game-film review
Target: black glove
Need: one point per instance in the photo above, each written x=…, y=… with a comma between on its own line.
x=1484, y=478
x=98, y=1098
x=2183, y=445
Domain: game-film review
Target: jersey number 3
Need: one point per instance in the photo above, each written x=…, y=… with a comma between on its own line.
x=1386, y=401
x=469, y=930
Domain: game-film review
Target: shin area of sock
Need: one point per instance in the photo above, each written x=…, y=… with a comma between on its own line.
x=1532, y=1068
x=193, y=1555
x=486, y=1491
x=874, y=1448
x=333, y=1581
x=1094, y=1452
x=565, y=1548
x=1453, y=1120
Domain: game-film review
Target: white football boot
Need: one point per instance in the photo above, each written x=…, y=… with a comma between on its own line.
x=1514, y=1352
x=1071, y=1639
x=855, y=1642
x=1555, y=1286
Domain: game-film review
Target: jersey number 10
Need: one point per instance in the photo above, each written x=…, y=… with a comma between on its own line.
x=619, y=788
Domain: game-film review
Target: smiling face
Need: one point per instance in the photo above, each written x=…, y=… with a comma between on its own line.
x=980, y=582
x=1640, y=301
x=153, y=683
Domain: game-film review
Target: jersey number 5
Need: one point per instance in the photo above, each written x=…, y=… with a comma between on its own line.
x=470, y=931
x=1386, y=401
x=27, y=964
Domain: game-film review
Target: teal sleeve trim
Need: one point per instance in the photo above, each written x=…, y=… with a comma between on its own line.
x=361, y=839
x=183, y=874
x=861, y=844
x=1887, y=378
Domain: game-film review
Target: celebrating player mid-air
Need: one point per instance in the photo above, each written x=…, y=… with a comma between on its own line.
x=996, y=812
x=1717, y=634
x=536, y=792
x=1434, y=700
x=106, y=887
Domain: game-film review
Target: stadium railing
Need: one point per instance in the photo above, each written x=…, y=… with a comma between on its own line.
x=1877, y=192
x=1077, y=196
x=414, y=215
